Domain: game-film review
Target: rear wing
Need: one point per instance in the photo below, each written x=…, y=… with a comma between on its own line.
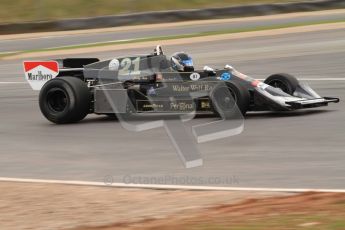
x=37, y=73
x=71, y=63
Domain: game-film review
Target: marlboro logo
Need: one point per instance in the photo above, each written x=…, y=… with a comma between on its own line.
x=37, y=73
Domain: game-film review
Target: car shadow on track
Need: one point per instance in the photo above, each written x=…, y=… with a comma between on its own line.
x=264, y=115
x=250, y=115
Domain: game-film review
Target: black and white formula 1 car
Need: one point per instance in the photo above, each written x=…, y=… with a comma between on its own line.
x=72, y=88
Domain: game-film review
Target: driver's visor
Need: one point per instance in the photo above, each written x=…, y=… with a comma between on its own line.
x=188, y=62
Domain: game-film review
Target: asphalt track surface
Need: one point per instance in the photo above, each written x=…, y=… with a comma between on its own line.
x=12, y=45
x=303, y=149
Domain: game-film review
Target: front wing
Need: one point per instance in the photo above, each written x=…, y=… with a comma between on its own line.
x=311, y=103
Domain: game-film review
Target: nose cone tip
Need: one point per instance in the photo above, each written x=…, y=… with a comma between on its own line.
x=229, y=67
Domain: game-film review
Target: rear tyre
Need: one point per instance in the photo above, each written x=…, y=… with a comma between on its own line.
x=228, y=99
x=286, y=82
x=65, y=100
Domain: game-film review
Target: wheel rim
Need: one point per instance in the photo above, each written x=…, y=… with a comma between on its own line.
x=280, y=85
x=224, y=101
x=57, y=100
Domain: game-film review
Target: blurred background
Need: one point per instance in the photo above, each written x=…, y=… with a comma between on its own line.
x=38, y=10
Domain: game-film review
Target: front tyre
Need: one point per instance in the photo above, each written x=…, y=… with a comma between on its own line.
x=286, y=82
x=229, y=99
x=65, y=100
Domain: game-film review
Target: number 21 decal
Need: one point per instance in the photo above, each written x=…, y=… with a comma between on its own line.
x=126, y=66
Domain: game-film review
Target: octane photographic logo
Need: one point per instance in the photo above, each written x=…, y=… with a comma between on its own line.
x=184, y=136
x=175, y=180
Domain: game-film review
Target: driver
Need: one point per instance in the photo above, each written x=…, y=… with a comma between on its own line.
x=182, y=62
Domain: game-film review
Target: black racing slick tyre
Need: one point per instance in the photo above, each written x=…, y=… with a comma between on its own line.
x=65, y=100
x=230, y=98
x=286, y=82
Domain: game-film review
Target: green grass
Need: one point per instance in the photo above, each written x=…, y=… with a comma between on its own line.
x=33, y=10
x=220, y=32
